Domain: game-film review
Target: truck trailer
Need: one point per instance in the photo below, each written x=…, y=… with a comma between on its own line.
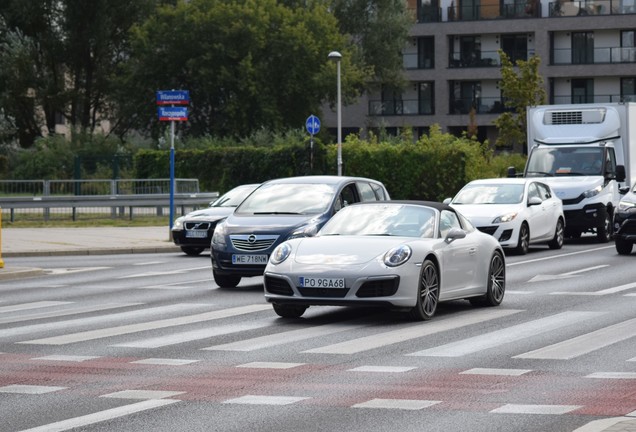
x=586, y=153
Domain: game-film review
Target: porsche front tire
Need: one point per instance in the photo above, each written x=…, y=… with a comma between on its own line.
x=427, y=293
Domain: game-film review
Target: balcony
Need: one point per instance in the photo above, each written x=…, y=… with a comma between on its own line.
x=474, y=59
x=481, y=105
x=415, y=61
x=591, y=7
x=517, y=10
x=595, y=56
x=578, y=99
x=403, y=107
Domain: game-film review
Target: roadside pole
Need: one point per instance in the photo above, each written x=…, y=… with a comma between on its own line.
x=312, y=124
x=172, y=114
x=1, y=261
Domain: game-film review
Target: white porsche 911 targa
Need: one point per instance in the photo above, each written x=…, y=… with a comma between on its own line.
x=406, y=255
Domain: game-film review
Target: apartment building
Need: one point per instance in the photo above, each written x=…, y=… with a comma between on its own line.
x=587, y=51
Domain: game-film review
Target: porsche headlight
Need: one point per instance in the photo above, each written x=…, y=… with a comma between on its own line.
x=218, y=238
x=626, y=206
x=504, y=218
x=304, y=231
x=593, y=192
x=397, y=256
x=280, y=254
x=178, y=223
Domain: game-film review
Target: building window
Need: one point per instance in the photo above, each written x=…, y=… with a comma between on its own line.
x=582, y=91
x=628, y=46
x=428, y=11
x=628, y=89
x=426, y=98
x=582, y=47
x=426, y=53
x=465, y=95
x=515, y=46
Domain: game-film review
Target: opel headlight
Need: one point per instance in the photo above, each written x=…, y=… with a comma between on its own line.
x=397, y=256
x=280, y=254
x=178, y=223
x=593, y=192
x=504, y=218
x=304, y=231
x=218, y=238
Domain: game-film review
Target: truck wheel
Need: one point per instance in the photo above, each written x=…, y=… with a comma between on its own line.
x=623, y=247
x=604, y=230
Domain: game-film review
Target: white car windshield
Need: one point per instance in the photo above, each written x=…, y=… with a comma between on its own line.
x=233, y=197
x=490, y=194
x=289, y=198
x=382, y=220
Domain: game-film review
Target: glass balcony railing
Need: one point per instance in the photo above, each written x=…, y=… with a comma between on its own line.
x=525, y=9
x=594, y=56
x=578, y=99
x=590, y=7
x=481, y=105
x=416, y=61
x=400, y=107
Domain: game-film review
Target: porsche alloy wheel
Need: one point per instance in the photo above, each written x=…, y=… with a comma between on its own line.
x=427, y=293
x=289, y=311
x=496, y=287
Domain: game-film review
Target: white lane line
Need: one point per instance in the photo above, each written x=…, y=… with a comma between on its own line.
x=165, y=273
x=519, y=292
x=494, y=371
x=102, y=416
x=404, y=404
x=142, y=394
x=558, y=256
x=29, y=389
x=265, y=400
x=507, y=335
x=535, y=409
x=383, y=369
x=152, y=325
x=612, y=375
x=585, y=343
x=270, y=365
x=66, y=358
x=276, y=339
x=65, y=312
x=34, y=305
x=607, y=291
x=194, y=335
x=165, y=362
x=117, y=318
x=587, y=269
x=413, y=332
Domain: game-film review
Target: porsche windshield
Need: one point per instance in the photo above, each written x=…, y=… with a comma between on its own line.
x=288, y=198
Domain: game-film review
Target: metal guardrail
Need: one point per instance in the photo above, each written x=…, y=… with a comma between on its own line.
x=97, y=187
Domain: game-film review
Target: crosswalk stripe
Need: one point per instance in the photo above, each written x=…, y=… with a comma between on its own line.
x=83, y=322
x=276, y=339
x=34, y=305
x=177, y=338
x=535, y=409
x=152, y=325
x=413, y=331
x=65, y=312
x=405, y=404
x=585, y=343
x=101, y=416
x=506, y=335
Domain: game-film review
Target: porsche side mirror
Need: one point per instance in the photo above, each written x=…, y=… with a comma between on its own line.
x=455, y=234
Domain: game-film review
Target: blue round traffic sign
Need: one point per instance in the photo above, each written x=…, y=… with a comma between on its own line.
x=312, y=124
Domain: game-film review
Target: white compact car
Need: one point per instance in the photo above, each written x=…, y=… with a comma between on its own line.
x=518, y=212
x=409, y=255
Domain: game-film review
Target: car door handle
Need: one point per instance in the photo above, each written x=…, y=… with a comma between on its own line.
x=472, y=251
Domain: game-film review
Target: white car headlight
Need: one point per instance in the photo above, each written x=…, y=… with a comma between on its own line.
x=178, y=223
x=280, y=254
x=304, y=231
x=625, y=206
x=593, y=192
x=218, y=238
x=397, y=256
x=504, y=218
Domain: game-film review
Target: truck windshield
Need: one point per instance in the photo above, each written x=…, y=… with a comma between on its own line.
x=565, y=161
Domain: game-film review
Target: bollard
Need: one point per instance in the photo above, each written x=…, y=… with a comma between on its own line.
x=1, y=261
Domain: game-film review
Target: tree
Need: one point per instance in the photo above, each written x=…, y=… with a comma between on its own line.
x=248, y=64
x=520, y=88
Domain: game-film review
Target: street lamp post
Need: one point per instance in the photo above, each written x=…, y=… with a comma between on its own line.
x=335, y=55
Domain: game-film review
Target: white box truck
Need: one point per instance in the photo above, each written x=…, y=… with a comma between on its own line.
x=583, y=153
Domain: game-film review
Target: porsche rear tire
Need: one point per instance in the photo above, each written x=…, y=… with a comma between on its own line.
x=496, y=285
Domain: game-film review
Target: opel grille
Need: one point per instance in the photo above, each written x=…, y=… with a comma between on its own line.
x=253, y=242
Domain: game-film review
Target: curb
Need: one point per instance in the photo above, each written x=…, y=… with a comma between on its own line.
x=19, y=273
x=110, y=251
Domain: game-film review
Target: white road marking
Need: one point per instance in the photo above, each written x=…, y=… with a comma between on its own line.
x=101, y=416
x=165, y=273
x=270, y=365
x=152, y=325
x=60, y=271
x=142, y=394
x=519, y=292
x=165, y=362
x=383, y=369
x=612, y=375
x=507, y=335
x=405, y=404
x=29, y=389
x=535, y=409
x=606, y=291
x=34, y=305
x=553, y=257
x=414, y=331
x=585, y=343
x=66, y=358
x=194, y=335
x=65, y=312
x=541, y=278
x=503, y=372
x=265, y=400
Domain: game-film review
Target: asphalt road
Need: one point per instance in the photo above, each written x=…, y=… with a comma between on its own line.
x=147, y=342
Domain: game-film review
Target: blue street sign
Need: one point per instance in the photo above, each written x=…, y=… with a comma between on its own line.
x=312, y=124
x=173, y=97
x=172, y=113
